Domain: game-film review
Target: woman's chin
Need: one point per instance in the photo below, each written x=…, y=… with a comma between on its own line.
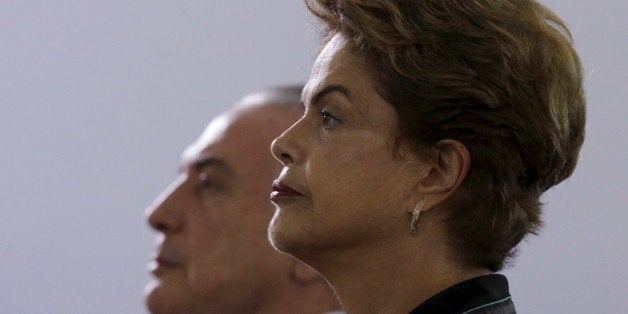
x=287, y=235
x=278, y=236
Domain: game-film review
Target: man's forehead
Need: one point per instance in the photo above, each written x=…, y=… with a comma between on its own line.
x=242, y=130
x=213, y=133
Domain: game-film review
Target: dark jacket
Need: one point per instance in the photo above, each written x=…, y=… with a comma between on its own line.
x=484, y=294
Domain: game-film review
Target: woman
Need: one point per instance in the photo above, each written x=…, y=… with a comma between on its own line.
x=431, y=130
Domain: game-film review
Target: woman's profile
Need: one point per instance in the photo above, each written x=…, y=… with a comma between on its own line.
x=431, y=130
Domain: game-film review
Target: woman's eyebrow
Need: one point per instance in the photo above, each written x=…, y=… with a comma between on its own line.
x=315, y=101
x=327, y=90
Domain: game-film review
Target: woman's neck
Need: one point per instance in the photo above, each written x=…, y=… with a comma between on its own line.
x=393, y=277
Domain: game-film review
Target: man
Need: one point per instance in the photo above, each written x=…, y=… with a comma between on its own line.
x=212, y=254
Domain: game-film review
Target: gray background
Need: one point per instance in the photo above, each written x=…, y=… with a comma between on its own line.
x=98, y=98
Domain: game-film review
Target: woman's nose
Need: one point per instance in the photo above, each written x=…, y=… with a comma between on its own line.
x=288, y=147
x=277, y=148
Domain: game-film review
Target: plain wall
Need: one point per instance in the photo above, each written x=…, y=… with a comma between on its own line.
x=98, y=98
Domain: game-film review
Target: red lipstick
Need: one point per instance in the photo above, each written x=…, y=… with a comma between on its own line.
x=281, y=190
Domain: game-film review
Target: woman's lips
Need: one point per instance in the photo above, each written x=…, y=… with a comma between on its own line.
x=281, y=190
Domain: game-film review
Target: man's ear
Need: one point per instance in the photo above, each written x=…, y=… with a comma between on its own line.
x=447, y=171
x=303, y=274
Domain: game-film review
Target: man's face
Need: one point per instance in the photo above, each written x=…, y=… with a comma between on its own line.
x=212, y=251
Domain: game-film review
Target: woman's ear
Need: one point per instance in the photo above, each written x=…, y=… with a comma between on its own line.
x=448, y=169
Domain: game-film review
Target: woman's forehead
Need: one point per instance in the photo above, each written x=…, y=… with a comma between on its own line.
x=338, y=64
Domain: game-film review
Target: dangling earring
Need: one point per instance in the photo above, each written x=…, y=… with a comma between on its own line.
x=415, y=214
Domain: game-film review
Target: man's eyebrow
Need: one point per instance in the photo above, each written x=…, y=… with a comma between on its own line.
x=209, y=161
x=327, y=90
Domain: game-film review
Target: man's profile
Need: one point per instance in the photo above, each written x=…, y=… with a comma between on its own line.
x=212, y=254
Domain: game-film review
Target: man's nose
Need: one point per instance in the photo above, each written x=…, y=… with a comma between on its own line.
x=164, y=214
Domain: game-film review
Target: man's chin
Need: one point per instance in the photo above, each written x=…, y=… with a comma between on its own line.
x=166, y=297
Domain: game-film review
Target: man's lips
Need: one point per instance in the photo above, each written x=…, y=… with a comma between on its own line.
x=161, y=264
x=281, y=190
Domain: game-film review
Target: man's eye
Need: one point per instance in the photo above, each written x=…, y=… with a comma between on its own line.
x=204, y=183
x=329, y=121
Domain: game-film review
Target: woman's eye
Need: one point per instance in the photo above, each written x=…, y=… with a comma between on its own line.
x=329, y=121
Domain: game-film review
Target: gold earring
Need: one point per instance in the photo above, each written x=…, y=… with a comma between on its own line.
x=415, y=214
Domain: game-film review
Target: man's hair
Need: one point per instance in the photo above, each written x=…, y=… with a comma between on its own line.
x=288, y=96
x=501, y=77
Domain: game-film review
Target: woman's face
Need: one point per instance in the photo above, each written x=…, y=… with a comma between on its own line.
x=353, y=189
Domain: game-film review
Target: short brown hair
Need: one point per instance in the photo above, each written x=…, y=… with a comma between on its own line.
x=501, y=77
